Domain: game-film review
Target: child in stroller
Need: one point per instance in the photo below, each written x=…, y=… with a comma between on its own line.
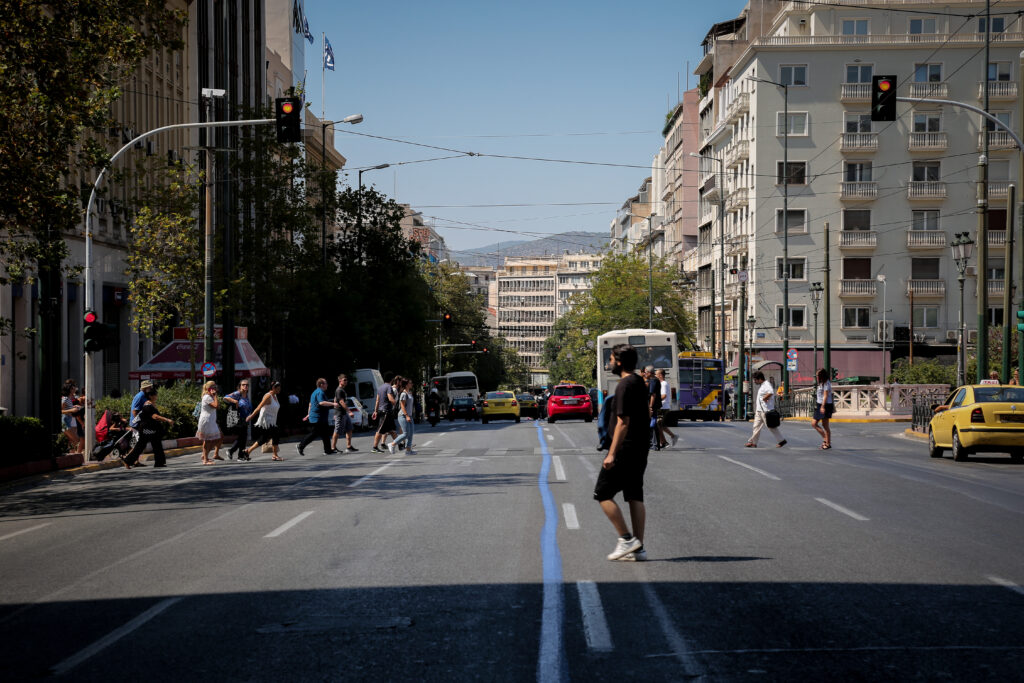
x=113, y=437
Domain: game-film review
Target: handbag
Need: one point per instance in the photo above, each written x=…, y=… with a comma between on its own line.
x=772, y=419
x=232, y=417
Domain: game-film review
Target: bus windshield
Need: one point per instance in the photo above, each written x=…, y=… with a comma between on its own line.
x=462, y=382
x=658, y=356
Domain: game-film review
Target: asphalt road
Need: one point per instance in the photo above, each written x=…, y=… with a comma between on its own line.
x=482, y=557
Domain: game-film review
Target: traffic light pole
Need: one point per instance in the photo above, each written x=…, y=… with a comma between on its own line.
x=90, y=388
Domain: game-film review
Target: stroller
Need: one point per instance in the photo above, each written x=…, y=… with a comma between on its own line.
x=113, y=437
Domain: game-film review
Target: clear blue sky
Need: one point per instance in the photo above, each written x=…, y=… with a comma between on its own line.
x=581, y=81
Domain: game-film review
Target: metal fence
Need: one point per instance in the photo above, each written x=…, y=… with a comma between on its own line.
x=799, y=404
x=921, y=413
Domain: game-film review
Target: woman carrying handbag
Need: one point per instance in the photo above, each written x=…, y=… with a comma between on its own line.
x=824, y=407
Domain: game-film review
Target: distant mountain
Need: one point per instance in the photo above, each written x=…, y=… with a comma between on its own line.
x=495, y=254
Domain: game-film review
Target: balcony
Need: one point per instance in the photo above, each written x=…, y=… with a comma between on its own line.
x=927, y=190
x=859, y=142
x=737, y=199
x=926, y=239
x=736, y=153
x=857, y=289
x=1005, y=91
x=996, y=287
x=997, y=239
x=855, y=92
x=998, y=141
x=928, y=142
x=853, y=240
x=933, y=90
x=712, y=192
x=738, y=107
x=882, y=39
x=998, y=190
x=926, y=289
x=736, y=244
x=858, y=191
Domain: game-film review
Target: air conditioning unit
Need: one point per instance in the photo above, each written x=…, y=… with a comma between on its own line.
x=971, y=271
x=918, y=338
x=972, y=336
x=883, y=330
x=951, y=335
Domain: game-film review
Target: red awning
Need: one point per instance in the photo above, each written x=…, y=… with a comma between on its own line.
x=172, y=361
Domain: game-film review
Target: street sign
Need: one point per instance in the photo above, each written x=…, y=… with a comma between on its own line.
x=791, y=354
x=791, y=365
x=209, y=369
x=741, y=276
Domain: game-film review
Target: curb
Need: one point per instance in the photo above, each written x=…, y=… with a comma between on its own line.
x=854, y=420
x=917, y=435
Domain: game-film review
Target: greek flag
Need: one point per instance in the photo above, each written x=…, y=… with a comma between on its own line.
x=305, y=30
x=328, y=55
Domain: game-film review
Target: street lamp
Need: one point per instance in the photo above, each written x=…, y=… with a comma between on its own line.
x=785, y=222
x=359, y=195
x=963, y=248
x=816, y=291
x=751, y=321
x=353, y=119
x=881, y=278
x=721, y=244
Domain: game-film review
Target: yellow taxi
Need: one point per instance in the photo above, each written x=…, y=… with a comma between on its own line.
x=979, y=418
x=498, y=405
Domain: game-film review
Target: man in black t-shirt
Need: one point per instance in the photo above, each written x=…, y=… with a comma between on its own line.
x=623, y=468
x=654, y=391
x=342, y=421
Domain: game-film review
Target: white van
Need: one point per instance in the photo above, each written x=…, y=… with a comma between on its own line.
x=363, y=385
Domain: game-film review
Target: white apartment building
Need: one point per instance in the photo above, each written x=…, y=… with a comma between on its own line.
x=483, y=283
x=629, y=229
x=893, y=194
x=574, y=274
x=674, y=177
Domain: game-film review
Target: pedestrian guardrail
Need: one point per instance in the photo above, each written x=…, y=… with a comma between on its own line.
x=921, y=413
x=799, y=404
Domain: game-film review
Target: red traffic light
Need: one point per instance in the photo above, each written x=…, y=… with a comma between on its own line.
x=884, y=85
x=90, y=317
x=447, y=317
x=287, y=107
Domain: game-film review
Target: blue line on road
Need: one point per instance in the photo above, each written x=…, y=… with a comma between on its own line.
x=551, y=661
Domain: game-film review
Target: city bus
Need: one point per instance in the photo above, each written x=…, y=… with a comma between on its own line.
x=701, y=389
x=653, y=347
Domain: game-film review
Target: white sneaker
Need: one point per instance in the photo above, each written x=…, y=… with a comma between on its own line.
x=624, y=547
x=674, y=439
x=635, y=556
x=391, y=448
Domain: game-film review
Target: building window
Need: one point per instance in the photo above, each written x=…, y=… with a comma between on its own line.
x=796, y=316
x=858, y=171
x=797, y=173
x=926, y=316
x=999, y=71
x=996, y=268
x=918, y=26
x=925, y=219
x=797, y=123
x=927, y=73
x=796, y=269
x=1004, y=118
x=926, y=171
x=796, y=221
x=856, y=219
x=998, y=24
x=859, y=73
x=856, y=122
x=856, y=316
x=924, y=269
x=995, y=316
x=855, y=27
x=927, y=123
x=856, y=268
x=793, y=74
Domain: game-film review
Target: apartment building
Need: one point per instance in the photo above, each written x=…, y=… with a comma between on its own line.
x=483, y=283
x=574, y=277
x=674, y=178
x=630, y=228
x=416, y=229
x=892, y=194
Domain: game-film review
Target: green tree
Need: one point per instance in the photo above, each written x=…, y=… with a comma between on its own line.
x=923, y=371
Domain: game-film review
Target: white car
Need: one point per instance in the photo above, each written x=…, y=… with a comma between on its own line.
x=360, y=420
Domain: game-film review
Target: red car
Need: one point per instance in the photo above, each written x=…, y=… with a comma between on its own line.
x=570, y=401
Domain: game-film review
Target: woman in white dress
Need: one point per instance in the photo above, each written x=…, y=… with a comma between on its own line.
x=266, y=422
x=208, y=432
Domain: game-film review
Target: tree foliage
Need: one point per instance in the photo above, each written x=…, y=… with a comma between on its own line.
x=923, y=371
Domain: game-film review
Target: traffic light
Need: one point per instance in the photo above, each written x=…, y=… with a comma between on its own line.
x=483, y=350
x=288, y=112
x=835, y=373
x=473, y=344
x=883, y=98
x=95, y=335
x=1020, y=319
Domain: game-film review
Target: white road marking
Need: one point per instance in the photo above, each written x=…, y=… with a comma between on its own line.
x=427, y=443
x=112, y=637
x=288, y=525
x=680, y=649
x=591, y=470
x=380, y=469
x=567, y=437
x=595, y=626
x=24, y=531
x=750, y=467
x=571, y=521
x=550, y=436
x=555, y=460
x=1006, y=584
x=840, y=508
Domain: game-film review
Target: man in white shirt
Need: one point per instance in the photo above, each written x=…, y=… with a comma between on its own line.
x=660, y=375
x=764, y=401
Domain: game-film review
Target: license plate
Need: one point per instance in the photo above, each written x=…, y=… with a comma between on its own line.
x=570, y=401
x=499, y=404
x=1012, y=418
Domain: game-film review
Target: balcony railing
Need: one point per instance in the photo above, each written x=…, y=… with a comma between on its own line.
x=928, y=142
x=998, y=189
x=996, y=287
x=887, y=39
x=712, y=192
x=997, y=140
x=858, y=239
x=737, y=199
x=998, y=90
x=861, y=191
x=926, y=288
x=859, y=142
x=857, y=288
x=926, y=189
x=736, y=153
x=926, y=239
x=933, y=89
x=855, y=92
x=738, y=107
x=997, y=239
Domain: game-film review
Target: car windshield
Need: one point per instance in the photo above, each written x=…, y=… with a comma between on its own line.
x=499, y=394
x=525, y=397
x=463, y=401
x=570, y=391
x=998, y=394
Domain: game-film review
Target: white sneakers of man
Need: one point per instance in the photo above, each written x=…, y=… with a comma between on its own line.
x=625, y=546
x=391, y=448
x=635, y=556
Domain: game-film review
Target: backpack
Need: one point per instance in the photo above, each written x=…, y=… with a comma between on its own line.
x=198, y=410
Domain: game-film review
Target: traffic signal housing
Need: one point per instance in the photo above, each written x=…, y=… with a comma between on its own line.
x=288, y=113
x=835, y=373
x=883, y=98
x=1020, y=321
x=96, y=336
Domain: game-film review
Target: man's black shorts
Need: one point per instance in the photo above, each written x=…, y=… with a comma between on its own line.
x=627, y=475
x=385, y=422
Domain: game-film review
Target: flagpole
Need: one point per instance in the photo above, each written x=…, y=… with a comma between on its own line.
x=323, y=73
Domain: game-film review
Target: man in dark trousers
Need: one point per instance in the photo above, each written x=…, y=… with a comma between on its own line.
x=623, y=468
x=319, y=428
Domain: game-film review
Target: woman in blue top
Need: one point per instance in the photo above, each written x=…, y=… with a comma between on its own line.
x=823, y=409
x=240, y=400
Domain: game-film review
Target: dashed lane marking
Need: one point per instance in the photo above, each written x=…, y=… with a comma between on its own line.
x=288, y=525
x=571, y=520
x=595, y=626
x=750, y=467
x=380, y=469
x=840, y=508
x=559, y=469
x=23, y=531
